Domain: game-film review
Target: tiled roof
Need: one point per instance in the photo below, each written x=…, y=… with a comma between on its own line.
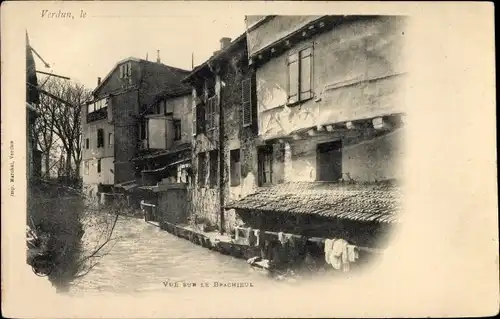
x=378, y=202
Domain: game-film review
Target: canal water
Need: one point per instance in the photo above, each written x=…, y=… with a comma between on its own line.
x=145, y=258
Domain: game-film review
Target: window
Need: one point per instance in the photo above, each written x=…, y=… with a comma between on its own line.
x=86, y=167
x=329, y=161
x=247, y=101
x=143, y=130
x=87, y=143
x=234, y=166
x=199, y=119
x=202, y=169
x=211, y=113
x=177, y=130
x=110, y=139
x=100, y=137
x=214, y=162
x=125, y=70
x=265, y=157
x=98, y=165
x=300, y=76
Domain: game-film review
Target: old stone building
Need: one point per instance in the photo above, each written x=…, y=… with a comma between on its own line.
x=111, y=126
x=165, y=137
x=224, y=130
x=330, y=99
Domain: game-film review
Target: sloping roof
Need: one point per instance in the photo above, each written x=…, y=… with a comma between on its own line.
x=377, y=202
x=32, y=94
x=177, y=73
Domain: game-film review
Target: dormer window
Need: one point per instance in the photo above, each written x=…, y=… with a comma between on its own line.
x=125, y=70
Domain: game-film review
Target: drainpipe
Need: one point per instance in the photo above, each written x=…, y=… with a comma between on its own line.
x=221, y=158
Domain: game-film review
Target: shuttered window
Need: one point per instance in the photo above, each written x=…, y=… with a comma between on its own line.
x=246, y=101
x=300, y=76
x=293, y=78
x=305, y=74
x=195, y=116
x=211, y=113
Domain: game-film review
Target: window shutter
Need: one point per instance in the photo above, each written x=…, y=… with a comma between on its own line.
x=246, y=101
x=306, y=74
x=293, y=78
x=121, y=71
x=195, y=115
x=129, y=69
x=201, y=118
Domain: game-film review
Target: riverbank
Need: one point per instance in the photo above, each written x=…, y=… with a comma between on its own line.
x=279, y=259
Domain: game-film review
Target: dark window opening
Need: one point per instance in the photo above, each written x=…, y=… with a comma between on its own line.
x=202, y=171
x=99, y=165
x=177, y=130
x=329, y=161
x=210, y=86
x=100, y=137
x=235, y=167
x=87, y=143
x=214, y=168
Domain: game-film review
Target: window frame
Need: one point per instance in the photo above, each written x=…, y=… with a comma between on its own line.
x=211, y=113
x=265, y=154
x=177, y=129
x=213, y=180
x=110, y=139
x=100, y=138
x=322, y=149
x=235, y=167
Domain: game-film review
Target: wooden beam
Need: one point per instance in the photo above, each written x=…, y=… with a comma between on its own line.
x=51, y=95
x=51, y=74
x=320, y=128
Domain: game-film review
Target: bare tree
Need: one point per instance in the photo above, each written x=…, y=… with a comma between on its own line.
x=63, y=117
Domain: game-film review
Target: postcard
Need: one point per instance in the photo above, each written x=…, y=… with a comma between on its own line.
x=248, y=159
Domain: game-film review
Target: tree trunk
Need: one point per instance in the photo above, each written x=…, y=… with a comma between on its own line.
x=47, y=164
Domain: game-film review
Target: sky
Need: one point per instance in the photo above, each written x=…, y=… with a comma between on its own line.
x=85, y=49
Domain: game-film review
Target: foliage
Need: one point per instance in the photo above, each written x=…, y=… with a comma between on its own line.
x=75, y=231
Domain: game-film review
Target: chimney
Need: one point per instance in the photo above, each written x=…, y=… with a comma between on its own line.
x=158, y=56
x=224, y=42
x=98, y=81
